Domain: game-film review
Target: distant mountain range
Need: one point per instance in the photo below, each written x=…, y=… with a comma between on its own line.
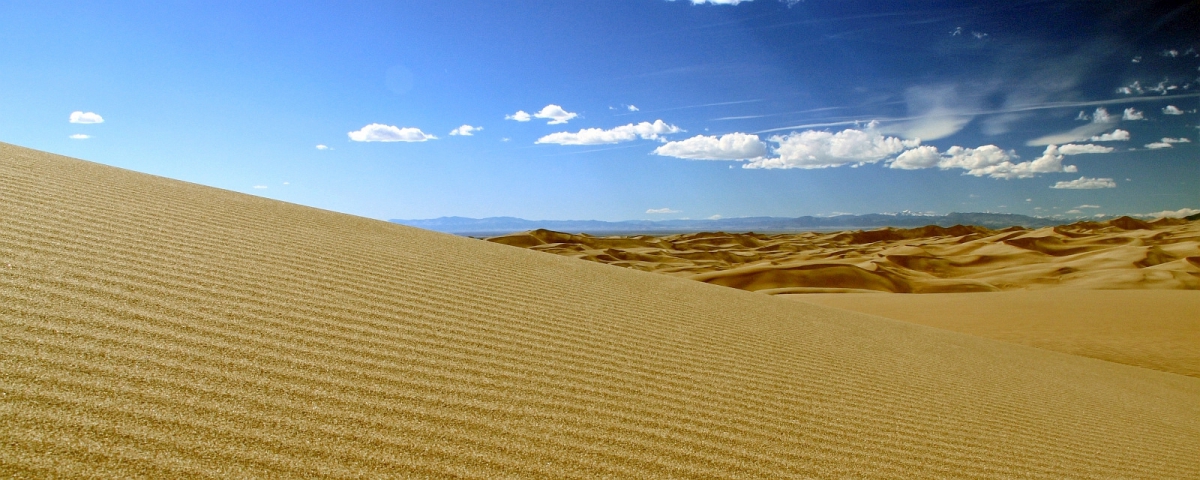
x=501, y=225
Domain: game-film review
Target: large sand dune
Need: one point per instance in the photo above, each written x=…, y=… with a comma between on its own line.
x=1118, y=254
x=150, y=327
x=1157, y=329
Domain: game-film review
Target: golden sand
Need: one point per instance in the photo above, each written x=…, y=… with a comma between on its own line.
x=1119, y=254
x=1157, y=329
x=150, y=327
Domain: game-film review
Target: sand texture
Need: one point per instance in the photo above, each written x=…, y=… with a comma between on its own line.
x=1157, y=329
x=154, y=328
x=1125, y=253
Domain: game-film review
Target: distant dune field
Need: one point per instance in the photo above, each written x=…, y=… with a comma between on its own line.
x=1123, y=253
x=155, y=328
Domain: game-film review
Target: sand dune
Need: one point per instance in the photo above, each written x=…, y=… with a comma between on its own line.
x=154, y=328
x=1157, y=329
x=1124, y=253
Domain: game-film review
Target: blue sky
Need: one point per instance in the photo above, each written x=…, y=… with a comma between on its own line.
x=623, y=109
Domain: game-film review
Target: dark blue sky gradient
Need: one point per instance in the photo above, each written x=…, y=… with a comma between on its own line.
x=237, y=96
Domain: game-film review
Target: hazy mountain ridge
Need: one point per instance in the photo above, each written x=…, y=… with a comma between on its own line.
x=464, y=225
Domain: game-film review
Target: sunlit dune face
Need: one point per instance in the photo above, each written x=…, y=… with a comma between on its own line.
x=1124, y=253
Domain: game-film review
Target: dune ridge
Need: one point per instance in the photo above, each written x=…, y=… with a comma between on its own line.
x=155, y=328
x=1123, y=253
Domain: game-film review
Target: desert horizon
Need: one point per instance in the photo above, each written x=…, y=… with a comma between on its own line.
x=769, y=239
x=159, y=328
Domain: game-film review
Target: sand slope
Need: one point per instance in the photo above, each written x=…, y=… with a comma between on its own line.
x=150, y=327
x=1157, y=329
x=1123, y=253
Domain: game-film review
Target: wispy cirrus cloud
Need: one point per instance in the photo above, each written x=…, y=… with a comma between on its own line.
x=886, y=122
x=934, y=113
x=1101, y=121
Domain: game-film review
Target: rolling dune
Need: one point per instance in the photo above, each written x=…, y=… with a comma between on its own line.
x=155, y=328
x=1124, y=253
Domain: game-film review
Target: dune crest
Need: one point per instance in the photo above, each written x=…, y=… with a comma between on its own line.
x=1124, y=253
x=156, y=328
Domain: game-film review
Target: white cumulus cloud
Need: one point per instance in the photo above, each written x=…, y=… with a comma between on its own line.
x=731, y=146
x=86, y=117
x=1183, y=212
x=1117, y=135
x=80, y=136
x=1086, y=183
x=520, y=116
x=555, y=114
x=719, y=2
x=1072, y=149
x=821, y=149
x=632, y=108
x=465, y=130
x=623, y=133
x=661, y=210
x=322, y=147
x=988, y=160
x=1132, y=114
x=924, y=156
x=1166, y=143
x=1088, y=206
x=1172, y=110
x=378, y=132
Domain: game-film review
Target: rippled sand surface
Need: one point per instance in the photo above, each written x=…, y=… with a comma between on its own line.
x=155, y=328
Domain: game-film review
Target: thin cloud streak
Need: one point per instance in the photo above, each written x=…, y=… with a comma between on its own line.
x=691, y=106
x=1023, y=108
x=796, y=112
x=578, y=152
